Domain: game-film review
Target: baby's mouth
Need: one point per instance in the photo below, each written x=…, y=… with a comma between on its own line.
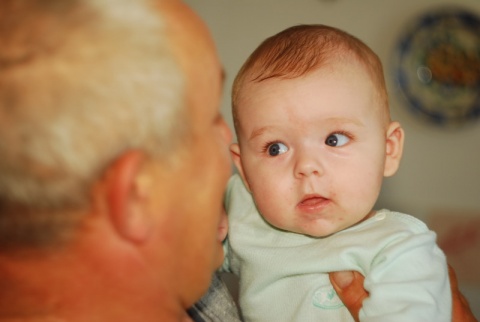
x=313, y=202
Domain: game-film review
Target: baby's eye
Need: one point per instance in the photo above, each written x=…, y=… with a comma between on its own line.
x=275, y=149
x=337, y=139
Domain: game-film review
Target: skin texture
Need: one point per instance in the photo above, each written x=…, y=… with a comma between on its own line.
x=311, y=187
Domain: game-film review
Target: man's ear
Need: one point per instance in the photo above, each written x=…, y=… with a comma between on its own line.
x=235, y=152
x=126, y=193
x=394, y=148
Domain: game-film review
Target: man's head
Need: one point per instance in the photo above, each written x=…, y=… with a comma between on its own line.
x=314, y=135
x=109, y=113
x=80, y=84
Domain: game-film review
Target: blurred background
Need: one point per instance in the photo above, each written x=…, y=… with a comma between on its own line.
x=439, y=179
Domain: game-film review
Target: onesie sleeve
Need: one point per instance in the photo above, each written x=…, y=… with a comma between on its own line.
x=408, y=279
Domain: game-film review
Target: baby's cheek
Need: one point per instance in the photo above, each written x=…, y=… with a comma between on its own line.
x=271, y=214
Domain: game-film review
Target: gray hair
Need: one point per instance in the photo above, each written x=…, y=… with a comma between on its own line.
x=81, y=81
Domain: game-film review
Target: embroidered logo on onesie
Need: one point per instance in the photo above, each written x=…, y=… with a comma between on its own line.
x=325, y=297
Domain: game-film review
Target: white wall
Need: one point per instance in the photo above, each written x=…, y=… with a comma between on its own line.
x=441, y=168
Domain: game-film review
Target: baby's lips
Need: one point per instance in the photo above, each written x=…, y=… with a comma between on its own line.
x=312, y=201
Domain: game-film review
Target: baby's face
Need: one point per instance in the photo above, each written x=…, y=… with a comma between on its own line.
x=312, y=149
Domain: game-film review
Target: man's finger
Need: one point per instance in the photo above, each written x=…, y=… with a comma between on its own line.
x=349, y=287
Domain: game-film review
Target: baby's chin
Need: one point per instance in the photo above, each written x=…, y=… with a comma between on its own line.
x=316, y=232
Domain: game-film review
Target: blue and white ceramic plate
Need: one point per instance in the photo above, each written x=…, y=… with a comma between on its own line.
x=438, y=66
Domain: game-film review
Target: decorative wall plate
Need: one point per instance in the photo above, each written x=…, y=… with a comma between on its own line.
x=437, y=66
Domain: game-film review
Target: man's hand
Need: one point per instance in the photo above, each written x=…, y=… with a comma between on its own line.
x=349, y=287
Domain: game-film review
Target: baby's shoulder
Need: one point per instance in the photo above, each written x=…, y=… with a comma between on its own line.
x=398, y=220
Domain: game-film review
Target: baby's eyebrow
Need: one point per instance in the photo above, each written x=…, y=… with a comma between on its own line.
x=344, y=120
x=259, y=132
x=335, y=120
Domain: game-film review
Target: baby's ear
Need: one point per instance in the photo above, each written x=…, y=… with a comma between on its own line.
x=394, y=148
x=235, y=152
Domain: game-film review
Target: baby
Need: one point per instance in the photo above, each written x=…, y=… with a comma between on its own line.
x=315, y=140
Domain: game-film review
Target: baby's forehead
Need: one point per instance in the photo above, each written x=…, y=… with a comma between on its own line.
x=265, y=92
x=341, y=68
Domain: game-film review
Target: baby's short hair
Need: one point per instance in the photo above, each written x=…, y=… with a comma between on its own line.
x=301, y=49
